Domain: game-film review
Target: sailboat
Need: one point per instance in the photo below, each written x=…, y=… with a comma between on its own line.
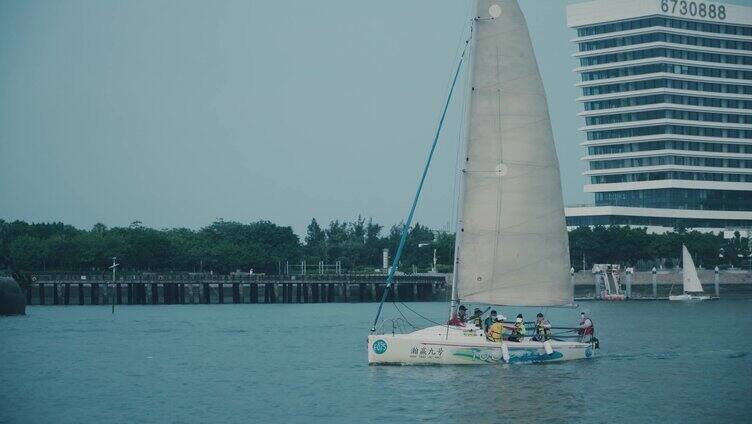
x=511, y=243
x=692, y=286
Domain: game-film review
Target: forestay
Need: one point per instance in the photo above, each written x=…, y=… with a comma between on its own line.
x=689, y=273
x=513, y=247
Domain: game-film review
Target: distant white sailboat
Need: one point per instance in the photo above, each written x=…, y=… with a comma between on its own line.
x=512, y=246
x=691, y=282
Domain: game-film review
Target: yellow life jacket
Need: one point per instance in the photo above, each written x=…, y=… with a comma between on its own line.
x=478, y=322
x=495, y=331
x=542, y=332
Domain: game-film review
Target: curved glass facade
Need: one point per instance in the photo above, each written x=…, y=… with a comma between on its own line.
x=678, y=198
x=670, y=175
x=654, y=221
x=676, y=84
x=668, y=53
x=666, y=38
x=692, y=146
x=668, y=68
x=632, y=24
x=668, y=98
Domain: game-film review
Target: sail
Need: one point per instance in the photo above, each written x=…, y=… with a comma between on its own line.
x=689, y=273
x=513, y=247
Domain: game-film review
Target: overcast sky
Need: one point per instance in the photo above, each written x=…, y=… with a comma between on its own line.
x=177, y=113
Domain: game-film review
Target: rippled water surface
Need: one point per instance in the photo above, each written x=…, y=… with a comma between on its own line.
x=659, y=362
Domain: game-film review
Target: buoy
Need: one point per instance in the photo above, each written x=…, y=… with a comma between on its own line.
x=547, y=346
x=505, y=352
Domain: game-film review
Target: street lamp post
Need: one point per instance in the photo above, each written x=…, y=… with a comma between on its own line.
x=433, y=268
x=434, y=260
x=112, y=294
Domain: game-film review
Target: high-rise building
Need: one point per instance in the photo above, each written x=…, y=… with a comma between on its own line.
x=667, y=95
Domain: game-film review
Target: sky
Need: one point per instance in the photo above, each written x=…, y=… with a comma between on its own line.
x=178, y=113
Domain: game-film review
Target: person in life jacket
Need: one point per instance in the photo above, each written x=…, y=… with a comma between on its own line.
x=488, y=321
x=460, y=319
x=542, y=328
x=586, y=330
x=519, y=331
x=477, y=318
x=495, y=331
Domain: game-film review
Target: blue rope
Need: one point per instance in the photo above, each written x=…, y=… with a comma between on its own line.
x=406, y=226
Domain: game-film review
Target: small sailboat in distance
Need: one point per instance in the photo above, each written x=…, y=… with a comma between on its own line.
x=511, y=244
x=690, y=280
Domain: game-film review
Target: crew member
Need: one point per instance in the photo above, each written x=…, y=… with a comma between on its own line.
x=542, y=328
x=488, y=321
x=496, y=330
x=586, y=330
x=460, y=319
x=519, y=331
x=477, y=318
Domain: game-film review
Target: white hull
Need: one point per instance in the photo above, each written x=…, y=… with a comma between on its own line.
x=689, y=297
x=466, y=345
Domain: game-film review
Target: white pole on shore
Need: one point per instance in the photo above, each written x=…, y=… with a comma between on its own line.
x=629, y=283
x=655, y=284
x=112, y=292
x=571, y=276
x=717, y=283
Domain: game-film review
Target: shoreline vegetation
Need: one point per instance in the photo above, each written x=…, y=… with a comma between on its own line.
x=227, y=246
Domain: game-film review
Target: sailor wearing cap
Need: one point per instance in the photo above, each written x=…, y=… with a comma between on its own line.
x=496, y=329
x=518, y=332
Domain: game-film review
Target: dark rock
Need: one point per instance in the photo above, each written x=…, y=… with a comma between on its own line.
x=12, y=299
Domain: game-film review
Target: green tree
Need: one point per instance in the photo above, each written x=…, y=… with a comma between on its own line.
x=315, y=242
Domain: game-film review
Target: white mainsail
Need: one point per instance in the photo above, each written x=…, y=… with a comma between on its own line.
x=513, y=247
x=689, y=273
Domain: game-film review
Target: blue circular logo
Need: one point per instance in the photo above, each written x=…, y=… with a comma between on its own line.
x=379, y=346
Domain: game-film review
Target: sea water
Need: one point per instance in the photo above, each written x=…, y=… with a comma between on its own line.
x=658, y=362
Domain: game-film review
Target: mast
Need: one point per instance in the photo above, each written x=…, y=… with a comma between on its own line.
x=457, y=234
x=458, y=230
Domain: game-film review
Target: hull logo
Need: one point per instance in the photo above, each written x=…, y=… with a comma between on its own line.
x=379, y=346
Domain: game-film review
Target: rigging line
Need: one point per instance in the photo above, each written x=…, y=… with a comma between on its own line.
x=461, y=135
x=403, y=316
x=456, y=180
x=460, y=47
x=418, y=314
x=406, y=225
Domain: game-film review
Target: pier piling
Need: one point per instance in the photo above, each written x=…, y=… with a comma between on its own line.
x=171, y=290
x=254, y=293
x=235, y=293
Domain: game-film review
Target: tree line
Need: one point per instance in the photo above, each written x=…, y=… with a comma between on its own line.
x=221, y=247
x=265, y=247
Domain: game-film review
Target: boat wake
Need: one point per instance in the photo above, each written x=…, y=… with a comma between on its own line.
x=673, y=354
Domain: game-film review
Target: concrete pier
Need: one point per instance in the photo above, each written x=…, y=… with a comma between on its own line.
x=179, y=290
x=655, y=284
